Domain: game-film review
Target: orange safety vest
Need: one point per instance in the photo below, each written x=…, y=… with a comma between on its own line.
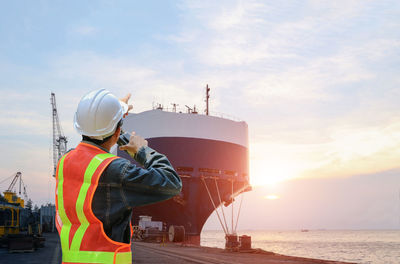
x=82, y=235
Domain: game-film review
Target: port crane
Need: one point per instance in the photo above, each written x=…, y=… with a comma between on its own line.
x=18, y=176
x=59, y=140
x=20, y=229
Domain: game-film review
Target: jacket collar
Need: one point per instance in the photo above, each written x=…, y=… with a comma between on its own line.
x=93, y=144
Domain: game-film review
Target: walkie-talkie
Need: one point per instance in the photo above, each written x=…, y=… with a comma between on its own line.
x=123, y=138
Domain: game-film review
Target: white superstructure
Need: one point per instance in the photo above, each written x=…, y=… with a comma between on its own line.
x=158, y=123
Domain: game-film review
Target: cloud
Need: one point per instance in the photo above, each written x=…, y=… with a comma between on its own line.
x=335, y=151
x=21, y=116
x=368, y=201
x=85, y=30
x=308, y=81
x=273, y=52
x=360, y=150
x=245, y=32
x=311, y=79
x=147, y=83
x=286, y=66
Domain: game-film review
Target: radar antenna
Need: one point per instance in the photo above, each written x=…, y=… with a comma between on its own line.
x=189, y=110
x=59, y=140
x=174, y=107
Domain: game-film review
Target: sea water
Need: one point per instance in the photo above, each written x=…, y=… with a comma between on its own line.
x=360, y=246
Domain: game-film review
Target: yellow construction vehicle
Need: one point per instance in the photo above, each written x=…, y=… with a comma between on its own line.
x=9, y=219
x=10, y=209
x=19, y=229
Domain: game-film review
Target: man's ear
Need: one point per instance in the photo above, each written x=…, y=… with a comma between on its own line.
x=117, y=132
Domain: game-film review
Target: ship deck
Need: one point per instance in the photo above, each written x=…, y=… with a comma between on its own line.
x=169, y=253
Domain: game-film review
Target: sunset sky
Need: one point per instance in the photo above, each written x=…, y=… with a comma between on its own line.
x=318, y=83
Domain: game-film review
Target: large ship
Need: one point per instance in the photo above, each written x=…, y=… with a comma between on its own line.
x=209, y=153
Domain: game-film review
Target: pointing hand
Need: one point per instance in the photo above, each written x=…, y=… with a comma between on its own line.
x=125, y=100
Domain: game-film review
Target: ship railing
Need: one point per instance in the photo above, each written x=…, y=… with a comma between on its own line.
x=199, y=112
x=242, y=178
x=226, y=116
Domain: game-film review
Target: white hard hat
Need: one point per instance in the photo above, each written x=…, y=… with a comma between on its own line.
x=98, y=114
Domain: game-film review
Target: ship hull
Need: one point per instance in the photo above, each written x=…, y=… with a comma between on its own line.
x=207, y=167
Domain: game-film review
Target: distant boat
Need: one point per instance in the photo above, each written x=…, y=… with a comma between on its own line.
x=305, y=230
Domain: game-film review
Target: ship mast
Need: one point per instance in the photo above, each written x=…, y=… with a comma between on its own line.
x=207, y=98
x=59, y=140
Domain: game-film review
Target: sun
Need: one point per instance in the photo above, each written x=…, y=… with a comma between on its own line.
x=272, y=172
x=271, y=197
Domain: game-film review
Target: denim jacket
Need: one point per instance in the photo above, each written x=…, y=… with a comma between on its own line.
x=123, y=186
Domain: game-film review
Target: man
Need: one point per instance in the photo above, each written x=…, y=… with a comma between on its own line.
x=96, y=190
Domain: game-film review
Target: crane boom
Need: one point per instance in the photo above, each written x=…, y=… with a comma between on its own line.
x=14, y=181
x=59, y=140
x=18, y=176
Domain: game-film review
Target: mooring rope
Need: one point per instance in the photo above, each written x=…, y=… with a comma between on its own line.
x=240, y=207
x=212, y=201
x=220, y=202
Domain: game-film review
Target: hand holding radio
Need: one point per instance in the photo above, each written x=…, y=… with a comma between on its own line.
x=131, y=143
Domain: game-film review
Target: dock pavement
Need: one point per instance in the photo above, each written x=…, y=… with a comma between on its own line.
x=153, y=253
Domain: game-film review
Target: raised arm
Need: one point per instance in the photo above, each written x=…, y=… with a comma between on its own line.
x=157, y=181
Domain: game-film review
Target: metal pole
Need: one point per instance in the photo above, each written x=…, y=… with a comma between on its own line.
x=207, y=98
x=41, y=216
x=53, y=213
x=20, y=178
x=232, y=206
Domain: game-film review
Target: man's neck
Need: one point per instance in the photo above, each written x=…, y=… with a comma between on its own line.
x=106, y=145
x=109, y=143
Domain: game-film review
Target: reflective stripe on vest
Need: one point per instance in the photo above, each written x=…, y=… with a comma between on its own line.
x=72, y=253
